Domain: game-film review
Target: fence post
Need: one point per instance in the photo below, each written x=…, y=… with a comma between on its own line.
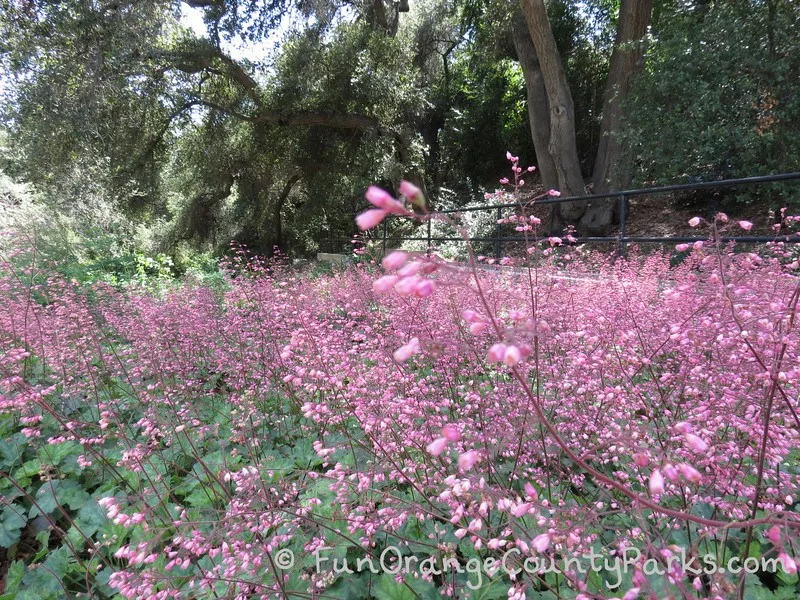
x=428, y=249
x=384, y=237
x=623, y=210
x=498, y=248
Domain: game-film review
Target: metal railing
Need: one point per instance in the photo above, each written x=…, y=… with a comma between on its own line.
x=621, y=239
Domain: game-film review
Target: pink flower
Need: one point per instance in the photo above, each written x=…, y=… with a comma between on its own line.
x=641, y=459
x=788, y=563
x=385, y=283
x=746, y=225
x=370, y=218
x=437, y=446
x=394, y=260
x=512, y=356
x=520, y=510
x=411, y=268
x=451, y=433
x=682, y=247
x=683, y=427
x=656, y=483
x=696, y=443
x=774, y=534
x=504, y=180
x=541, y=542
x=671, y=472
x=690, y=473
x=531, y=169
x=424, y=288
x=531, y=492
x=477, y=328
x=407, y=285
x=382, y=199
x=412, y=192
x=470, y=316
x=698, y=245
x=694, y=221
x=554, y=193
x=496, y=353
x=468, y=459
x=555, y=241
x=403, y=353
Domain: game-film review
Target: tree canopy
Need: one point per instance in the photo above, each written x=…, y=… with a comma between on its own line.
x=176, y=127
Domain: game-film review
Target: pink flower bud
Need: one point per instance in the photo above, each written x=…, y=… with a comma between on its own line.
x=682, y=247
x=437, y=446
x=468, y=459
x=370, y=218
x=683, y=427
x=788, y=563
x=671, y=472
x=531, y=492
x=554, y=193
x=406, y=286
x=694, y=221
x=477, y=328
x=641, y=459
x=512, y=356
x=541, y=542
x=504, y=180
x=496, y=353
x=411, y=268
x=696, y=443
x=656, y=483
x=690, y=473
x=385, y=283
x=470, y=316
x=520, y=510
x=412, y=192
x=394, y=260
x=424, y=288
x=403, y=353
x=382, y=199
x=451, y=433
x=746, y=225
x=774, y=535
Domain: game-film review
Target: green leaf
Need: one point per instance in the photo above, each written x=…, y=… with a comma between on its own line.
x=57, y=492
x=11, y=523
x=389, y=589
x=14, y=576
x=54, y=454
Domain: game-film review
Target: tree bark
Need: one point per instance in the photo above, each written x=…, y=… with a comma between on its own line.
x=538, y=107
x=562, y=144
x=287, y=188
x=627, y=60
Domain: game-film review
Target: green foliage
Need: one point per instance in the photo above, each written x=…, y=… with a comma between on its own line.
x=720, y=95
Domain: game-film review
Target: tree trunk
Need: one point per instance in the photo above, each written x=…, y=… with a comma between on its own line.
x=626, y=61
x=287, y=188
x=538, y=108
x=562, y=144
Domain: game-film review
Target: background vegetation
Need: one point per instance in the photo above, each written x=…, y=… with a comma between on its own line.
x=176, y=127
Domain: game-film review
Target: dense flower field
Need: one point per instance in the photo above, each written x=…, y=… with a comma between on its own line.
x=563, y=429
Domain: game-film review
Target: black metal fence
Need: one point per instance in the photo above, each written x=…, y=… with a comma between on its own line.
x=621, y=239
